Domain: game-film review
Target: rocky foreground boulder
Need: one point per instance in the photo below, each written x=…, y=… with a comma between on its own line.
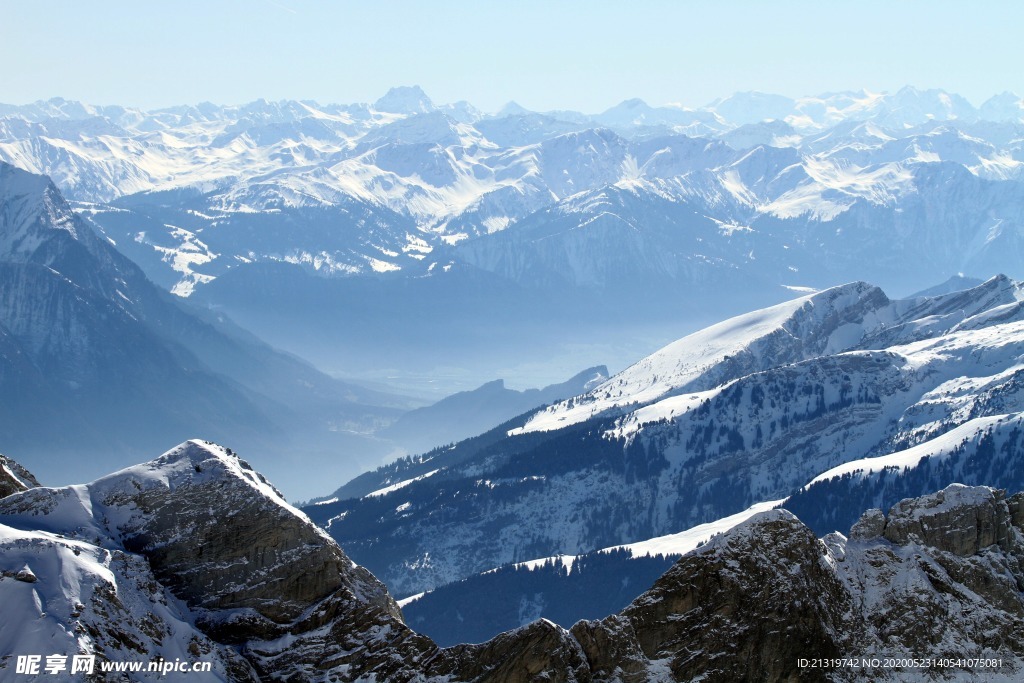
x=196, y=557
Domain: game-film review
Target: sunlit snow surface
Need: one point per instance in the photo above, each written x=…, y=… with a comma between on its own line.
x=459, y=173
x=911, y=457
x=695, y=361
x=666, y=370
x=399, y=485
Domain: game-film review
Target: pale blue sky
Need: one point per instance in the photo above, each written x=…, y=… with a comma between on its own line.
x=546, y=55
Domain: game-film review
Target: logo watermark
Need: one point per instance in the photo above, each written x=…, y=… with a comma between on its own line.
x=35, y=665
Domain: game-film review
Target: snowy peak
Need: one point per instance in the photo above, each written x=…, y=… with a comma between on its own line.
x=31, y=209
x=14, y=478
x=911, y=106
x=452, y=176
x=753, y=107
x=1006, y=106
x=405, y=100
x=825, y=322
x=191, y=464
x=192, y=549
x=199, y=494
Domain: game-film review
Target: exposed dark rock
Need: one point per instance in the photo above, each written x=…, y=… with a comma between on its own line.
x=957, y=520
x=212, y=556
x=14, y=477
x=869, y=526
x=541, y=651
x=758, y=599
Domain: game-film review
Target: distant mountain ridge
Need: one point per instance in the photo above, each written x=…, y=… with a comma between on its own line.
x=469, y=413
x=628, y=221
x=460, y=173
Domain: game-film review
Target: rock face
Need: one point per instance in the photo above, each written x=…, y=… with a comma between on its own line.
x=957, y=520
x=14, y=477
x=943, y=576
x=759, y=600
x=196, y=557
x=200, y=525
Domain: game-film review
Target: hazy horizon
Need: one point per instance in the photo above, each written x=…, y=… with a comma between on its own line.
x=571, y=55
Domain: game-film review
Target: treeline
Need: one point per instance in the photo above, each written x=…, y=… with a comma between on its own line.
x=478, y=608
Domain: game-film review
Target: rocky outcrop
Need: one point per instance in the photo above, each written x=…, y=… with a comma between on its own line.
x=14, y=477
x=238, y=566
x=746, y=606
x=945, y=571
x=959, y=520
x=251, y=571
x=195, y=556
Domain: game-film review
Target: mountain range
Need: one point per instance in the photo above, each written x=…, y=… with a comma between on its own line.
x=712, y=508
x=526, y=235
x=841, y=395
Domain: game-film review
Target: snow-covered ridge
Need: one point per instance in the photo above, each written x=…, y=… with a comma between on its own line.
x=456, y=173
x=678, y=377
x=811, y=325
x=972, y=430
x=26, y=218
x=399, y=485
x=97, y=509
x=755, y=410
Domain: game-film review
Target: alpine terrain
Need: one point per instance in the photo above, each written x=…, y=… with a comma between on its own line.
x=194, y=558
x=783, y=452
x=829, y=404
x=352, y=234
x=103, y=363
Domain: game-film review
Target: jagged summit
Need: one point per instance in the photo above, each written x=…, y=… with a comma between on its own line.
x=194, y=463
x=14, y=477
x=211, y=529
x=962, y=520
x=32, y=209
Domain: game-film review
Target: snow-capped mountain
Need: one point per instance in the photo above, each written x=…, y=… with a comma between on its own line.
x=646, y=214
x=458, y=174
x=195, y=558
x=14, y=477
x=104, y=363
x=744, y=412
x=115, y=564
x=568, y=588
